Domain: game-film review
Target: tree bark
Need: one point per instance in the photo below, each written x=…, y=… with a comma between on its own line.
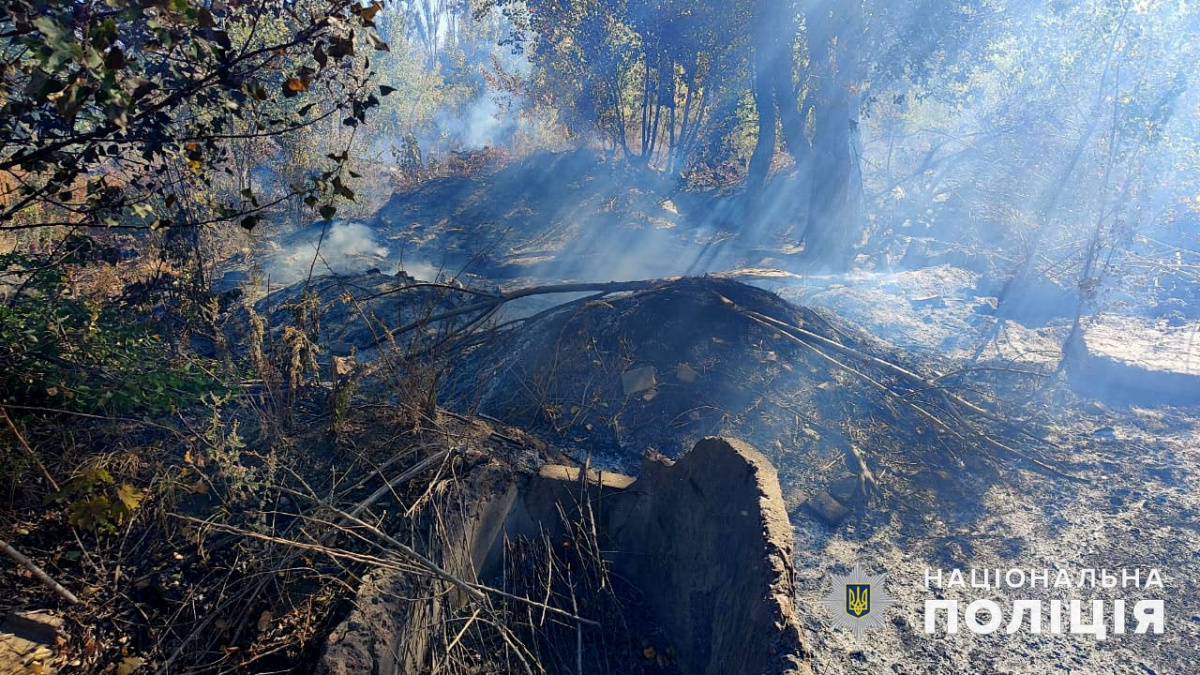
x=775, y=95
x=835, y=197
x=764, y=147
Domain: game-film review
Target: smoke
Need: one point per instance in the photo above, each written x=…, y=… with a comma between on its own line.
x=347, y=248
x=482, y=123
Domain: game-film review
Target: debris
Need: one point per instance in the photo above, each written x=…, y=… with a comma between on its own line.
x=343, y=365
x=847, y=490
x=686, y=374
x=928, y=302
x=827, y=509
x=37, y=572
x=638, y=379
x=130, y=664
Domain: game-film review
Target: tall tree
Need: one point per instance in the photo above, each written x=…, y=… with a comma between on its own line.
x=776, y=92
x=835, y=31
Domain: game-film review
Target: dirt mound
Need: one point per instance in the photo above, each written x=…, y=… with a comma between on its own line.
x=575, y=216
x=548, y=215
x=694, y=357
x=703, y=544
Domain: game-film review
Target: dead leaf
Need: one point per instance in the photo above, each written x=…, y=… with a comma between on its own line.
x=130, y=664
x=343, y=365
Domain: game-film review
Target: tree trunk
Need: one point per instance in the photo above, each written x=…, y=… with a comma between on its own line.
x=790, y=117
x=764, y=147
x=835, y=197
x=775, y=95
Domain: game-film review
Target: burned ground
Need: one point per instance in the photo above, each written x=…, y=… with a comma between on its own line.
x=862, y=388
x=894, y=446
x=609, y=379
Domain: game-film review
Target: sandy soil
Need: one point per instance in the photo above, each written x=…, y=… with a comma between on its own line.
x=1138, y=510
x=1137, y=507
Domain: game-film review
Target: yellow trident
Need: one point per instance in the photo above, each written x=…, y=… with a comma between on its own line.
x=858, y=599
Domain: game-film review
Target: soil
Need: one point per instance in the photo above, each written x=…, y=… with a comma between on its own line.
x=941, y=504
x=606, y=379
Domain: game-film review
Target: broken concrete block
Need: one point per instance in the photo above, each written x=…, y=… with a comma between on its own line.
x=705, y=538
x=1129, y=360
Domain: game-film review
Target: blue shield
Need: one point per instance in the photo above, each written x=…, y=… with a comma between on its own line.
x=858, y=600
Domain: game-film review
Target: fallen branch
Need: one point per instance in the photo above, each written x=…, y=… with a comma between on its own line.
x=901, y=372
x=403, y=478
x=812, y=340
x=495, y=301
x=37, y=572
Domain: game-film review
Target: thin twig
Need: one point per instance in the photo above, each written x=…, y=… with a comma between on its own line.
x=24, y=444
x=403, y=478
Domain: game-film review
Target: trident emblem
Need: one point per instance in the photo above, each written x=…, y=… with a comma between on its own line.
x=858, y=600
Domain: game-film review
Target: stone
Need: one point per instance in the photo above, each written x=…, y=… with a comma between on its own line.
x=686, y=374
x=28, y=638
x=826, y=509
x=639, y=379
x=847, y=490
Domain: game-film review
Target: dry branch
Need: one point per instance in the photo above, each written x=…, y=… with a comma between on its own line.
x=24, y=444
x=495, y=301
x=37, y=572
x=954, y=403
x=403, y=478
